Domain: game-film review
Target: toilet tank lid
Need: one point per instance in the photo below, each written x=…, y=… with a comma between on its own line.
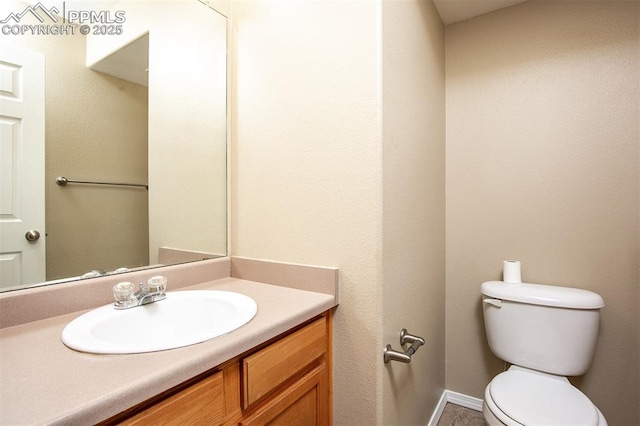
x=545, y=295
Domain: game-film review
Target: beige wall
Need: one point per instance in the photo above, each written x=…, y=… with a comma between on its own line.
x=413, y=205
x=187, y=116
x=542, y=166
x=324, y=164
x=306, y=166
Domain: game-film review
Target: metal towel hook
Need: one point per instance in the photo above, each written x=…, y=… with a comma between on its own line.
x=392, y=355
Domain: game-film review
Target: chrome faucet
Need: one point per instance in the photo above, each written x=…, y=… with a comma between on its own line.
x=127, y=297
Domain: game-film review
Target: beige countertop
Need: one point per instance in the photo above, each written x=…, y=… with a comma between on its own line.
x=44, y=382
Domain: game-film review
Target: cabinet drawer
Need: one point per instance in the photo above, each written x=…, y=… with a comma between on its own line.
x=202, y=403
x=272, y=366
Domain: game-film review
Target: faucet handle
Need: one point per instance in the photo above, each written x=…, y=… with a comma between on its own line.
x=157, y=284
x=124, y=291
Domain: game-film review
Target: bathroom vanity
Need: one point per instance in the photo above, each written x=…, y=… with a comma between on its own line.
x=284, y=381
x=276, y=368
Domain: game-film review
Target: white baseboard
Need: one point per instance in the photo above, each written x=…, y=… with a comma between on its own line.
x=435, y=417
x=464, y=400
x=454, y=398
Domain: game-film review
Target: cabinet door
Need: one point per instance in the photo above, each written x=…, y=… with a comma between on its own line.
x=271, y=367
x=200, y=404
x=303, y=403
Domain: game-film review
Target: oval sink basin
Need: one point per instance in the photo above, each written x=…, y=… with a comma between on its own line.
x=183, y=318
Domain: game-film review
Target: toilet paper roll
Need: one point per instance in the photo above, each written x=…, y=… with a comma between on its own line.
x=511, y=272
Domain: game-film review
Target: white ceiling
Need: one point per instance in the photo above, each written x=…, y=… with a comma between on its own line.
x=458, y=10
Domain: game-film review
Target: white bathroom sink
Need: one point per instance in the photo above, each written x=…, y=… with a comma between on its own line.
x=183, y=318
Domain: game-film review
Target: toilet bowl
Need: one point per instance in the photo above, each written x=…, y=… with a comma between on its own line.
x=546, y=333
x=520, y=396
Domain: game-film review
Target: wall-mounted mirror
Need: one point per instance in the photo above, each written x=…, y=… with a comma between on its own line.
x=104, y=93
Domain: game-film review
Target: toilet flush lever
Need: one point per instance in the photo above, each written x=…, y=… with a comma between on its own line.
x=495, y=302
x=392, y=355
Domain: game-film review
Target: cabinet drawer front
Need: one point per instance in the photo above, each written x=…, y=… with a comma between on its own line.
x=275, y=364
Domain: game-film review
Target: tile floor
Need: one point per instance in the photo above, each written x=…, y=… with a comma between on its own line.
x=455, y=415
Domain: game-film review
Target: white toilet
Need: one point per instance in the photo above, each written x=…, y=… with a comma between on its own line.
x=546, y=333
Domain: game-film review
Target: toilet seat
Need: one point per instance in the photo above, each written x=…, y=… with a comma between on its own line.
x=528, y=397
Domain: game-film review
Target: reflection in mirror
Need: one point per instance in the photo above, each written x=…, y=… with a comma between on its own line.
x=145, y=103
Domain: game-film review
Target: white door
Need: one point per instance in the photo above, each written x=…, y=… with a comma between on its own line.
x=21, y=167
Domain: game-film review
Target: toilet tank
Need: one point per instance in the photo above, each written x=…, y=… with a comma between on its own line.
x=546, y=328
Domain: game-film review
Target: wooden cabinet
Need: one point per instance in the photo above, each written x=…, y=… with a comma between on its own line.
x=284, y=382
x=267, y=369
x=303, y=403
x=288, y=380
x=201, y=403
